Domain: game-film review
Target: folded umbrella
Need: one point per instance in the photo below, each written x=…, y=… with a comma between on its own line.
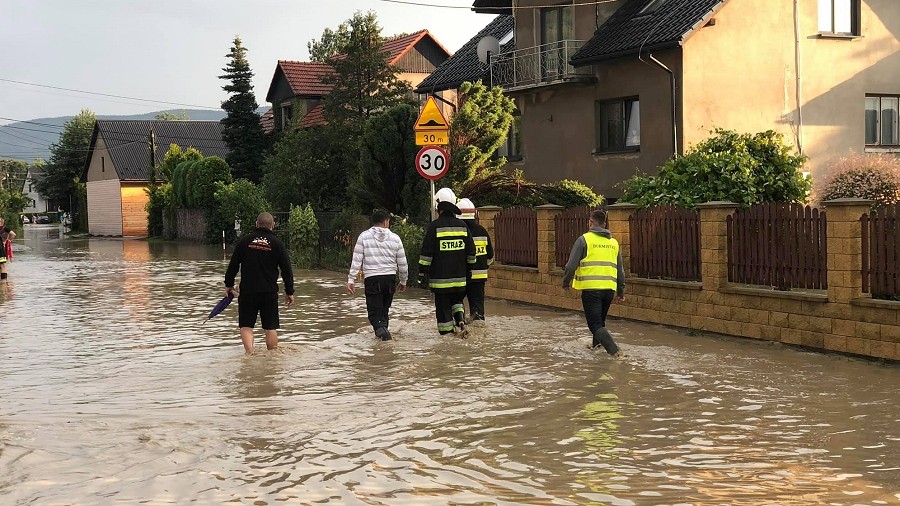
x=220, y=306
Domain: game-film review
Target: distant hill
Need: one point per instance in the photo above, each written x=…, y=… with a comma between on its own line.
x=27, y=141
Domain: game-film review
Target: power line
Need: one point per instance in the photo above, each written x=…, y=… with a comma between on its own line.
x=107, y=94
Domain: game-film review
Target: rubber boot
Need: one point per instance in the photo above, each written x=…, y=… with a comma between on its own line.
x=603, y=338
x=383, y=334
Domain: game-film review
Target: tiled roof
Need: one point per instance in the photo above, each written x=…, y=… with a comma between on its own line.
x=267, y=121
x=305, y=78
x=464, y=65
x=628, y=31
x=399, y=45
x=315, y=117
x=127, y=143
x=493, y=6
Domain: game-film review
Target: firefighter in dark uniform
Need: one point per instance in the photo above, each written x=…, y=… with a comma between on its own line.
x=448, y=254
x=484, y=257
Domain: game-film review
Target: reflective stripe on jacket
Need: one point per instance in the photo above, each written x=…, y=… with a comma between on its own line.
x=598, y=270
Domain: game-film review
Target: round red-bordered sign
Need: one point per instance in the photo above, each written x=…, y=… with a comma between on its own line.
x=432, y=162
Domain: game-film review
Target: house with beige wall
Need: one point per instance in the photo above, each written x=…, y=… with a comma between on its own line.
x=606, y=90
x=297, y=88
x=117, y=171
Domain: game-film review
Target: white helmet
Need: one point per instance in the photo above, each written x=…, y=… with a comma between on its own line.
x=468, y=209
x=445, y=195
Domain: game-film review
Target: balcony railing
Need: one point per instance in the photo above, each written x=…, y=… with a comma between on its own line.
x=537, y=66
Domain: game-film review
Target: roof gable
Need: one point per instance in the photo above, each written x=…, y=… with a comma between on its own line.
x=464, y=65
x=396, y=47
x=629, y=30
x=127, y=143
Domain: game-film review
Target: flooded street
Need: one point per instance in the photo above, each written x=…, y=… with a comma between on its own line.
x=115, y=392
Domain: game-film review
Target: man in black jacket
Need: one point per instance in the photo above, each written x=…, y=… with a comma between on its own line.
x=448, y=254
x=484, y=257
x=259, y=255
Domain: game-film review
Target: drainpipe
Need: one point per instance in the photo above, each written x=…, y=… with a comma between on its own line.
x=672, y=84
x=798, y=71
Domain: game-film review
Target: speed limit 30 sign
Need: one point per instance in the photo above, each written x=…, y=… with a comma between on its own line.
x=432, y=162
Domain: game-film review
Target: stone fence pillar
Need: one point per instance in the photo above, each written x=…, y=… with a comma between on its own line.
x=546, y=236
x=845, y=248
x=486, y=216
x=714, y=243
x=620, y=228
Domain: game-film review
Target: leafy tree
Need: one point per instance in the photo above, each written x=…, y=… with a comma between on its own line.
x=171, y=116
x=207, y=174
x=12, y=202
x=241, y=200
x=243, y=133
x=478, y=128
x=331, y=43
x=742, y=168
x=386, y=177
x=308, y=166
x=67, y=159
x=364, y=82
x=173, y=157
x=159, y=203
x=13, y=174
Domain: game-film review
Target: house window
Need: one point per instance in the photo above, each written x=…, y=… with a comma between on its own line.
x=287, y=115
x=557, y=23
x=619, y=125
x=882, y=127
x=839, y=17
x=102, y=164
x=512, y=148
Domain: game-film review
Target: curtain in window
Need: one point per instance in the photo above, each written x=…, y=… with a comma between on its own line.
x=843, y=16
x=872, y=111
x=890, y=107
x=633, y=132
x=612, y=117
x=825, y=15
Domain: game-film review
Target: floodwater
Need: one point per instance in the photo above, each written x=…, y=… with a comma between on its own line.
x=115, y=392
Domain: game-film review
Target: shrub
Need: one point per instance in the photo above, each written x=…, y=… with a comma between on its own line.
x=303, y=229
x=742, y=168
x=207, y=173
x=873, y=177
x=501, y=188
x=411, y=235
x=241, y=200
x=158, y=204
x=568, y=193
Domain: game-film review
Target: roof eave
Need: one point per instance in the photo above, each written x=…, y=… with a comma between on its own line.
x=90, y=153
x=584, y=62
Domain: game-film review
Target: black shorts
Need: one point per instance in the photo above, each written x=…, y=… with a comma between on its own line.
x=264, y=304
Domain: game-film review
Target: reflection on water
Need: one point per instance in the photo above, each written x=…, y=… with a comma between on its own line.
x=114, y=391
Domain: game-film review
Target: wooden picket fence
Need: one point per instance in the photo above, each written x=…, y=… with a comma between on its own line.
x=779, y=245
x=881, y=252
x=515, y=237
x=665, y=243
x=570, y=225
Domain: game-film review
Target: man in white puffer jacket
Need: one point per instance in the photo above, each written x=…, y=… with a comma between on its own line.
x=380, y=254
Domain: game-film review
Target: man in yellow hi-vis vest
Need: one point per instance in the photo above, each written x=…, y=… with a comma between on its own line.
x=595, y=268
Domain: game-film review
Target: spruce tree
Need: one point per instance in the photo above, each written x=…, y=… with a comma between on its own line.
x=243, y=133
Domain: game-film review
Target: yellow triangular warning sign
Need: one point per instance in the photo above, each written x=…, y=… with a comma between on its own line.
x=431, y=119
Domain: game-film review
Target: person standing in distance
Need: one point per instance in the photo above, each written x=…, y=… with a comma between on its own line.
x=380, y=254
x=484, y=257
x=595, y=268
x=448, y=253
x=6, y=237
x=259, y=256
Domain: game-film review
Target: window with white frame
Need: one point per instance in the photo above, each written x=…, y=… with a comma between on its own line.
x=618, y=124
x=882, y=117
x=840, y=17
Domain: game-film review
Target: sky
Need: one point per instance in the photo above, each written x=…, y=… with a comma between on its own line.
x=174, y=50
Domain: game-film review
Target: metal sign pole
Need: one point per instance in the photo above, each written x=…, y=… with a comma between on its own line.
x=433, y=208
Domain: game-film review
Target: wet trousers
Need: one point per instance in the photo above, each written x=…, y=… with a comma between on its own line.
x=596, y=306
x=379, y=296
x=475, y=294
x=449, y=310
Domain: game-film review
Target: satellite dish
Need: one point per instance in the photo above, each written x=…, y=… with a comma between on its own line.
x=487, y=45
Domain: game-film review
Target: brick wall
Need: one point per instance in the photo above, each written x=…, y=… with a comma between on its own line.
x=842, y=319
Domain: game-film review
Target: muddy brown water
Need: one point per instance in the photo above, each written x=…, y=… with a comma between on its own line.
x=114, y=392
